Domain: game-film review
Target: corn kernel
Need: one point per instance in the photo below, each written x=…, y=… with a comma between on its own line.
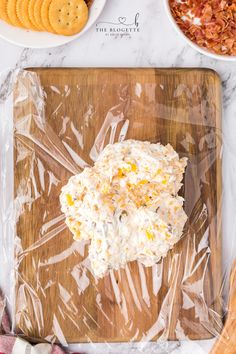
x=143, y=181
x=133, y=166
x=69, y=200
x=120, y=173
x=150, y=235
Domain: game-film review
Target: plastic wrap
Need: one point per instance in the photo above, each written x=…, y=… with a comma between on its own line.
x=50, y=131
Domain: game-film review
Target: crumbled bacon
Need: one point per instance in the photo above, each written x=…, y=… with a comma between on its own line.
x=209, y=23
x=89, y=3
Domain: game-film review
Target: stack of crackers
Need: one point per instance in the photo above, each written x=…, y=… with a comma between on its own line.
x=64, y=17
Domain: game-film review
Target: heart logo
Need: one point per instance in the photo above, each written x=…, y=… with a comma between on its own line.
x=122, y=20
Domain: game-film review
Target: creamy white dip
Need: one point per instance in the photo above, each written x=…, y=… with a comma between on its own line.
x=127, y=204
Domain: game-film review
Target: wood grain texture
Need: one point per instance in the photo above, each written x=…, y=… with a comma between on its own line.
x=226, y=344
x=56, y=295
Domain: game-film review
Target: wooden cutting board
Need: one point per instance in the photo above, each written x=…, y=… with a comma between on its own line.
x=56, y=295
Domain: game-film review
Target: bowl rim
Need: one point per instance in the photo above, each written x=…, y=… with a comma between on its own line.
x=192, y=44
x=65, y=39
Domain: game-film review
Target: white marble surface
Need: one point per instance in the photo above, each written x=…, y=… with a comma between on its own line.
x=155, y=45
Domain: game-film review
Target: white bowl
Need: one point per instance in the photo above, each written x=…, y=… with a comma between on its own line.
x=33, y=39
x=192, y=44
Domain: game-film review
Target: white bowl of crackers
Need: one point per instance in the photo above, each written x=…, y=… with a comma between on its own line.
x=47, y=23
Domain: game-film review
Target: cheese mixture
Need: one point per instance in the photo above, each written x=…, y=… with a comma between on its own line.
x=127, y=204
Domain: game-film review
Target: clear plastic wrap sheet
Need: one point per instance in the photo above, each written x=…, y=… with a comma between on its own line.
x=54, y=124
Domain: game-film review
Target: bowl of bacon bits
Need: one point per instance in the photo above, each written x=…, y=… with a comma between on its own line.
x=207, y=25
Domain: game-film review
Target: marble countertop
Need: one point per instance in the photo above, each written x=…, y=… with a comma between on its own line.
x=154, y=44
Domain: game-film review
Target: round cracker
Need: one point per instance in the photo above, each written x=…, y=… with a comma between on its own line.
x=37, y=14
x=45, y=15
x=68, y=17
x=22, y=7
x=31, y=13
x=3, y=10
x=11, y=12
